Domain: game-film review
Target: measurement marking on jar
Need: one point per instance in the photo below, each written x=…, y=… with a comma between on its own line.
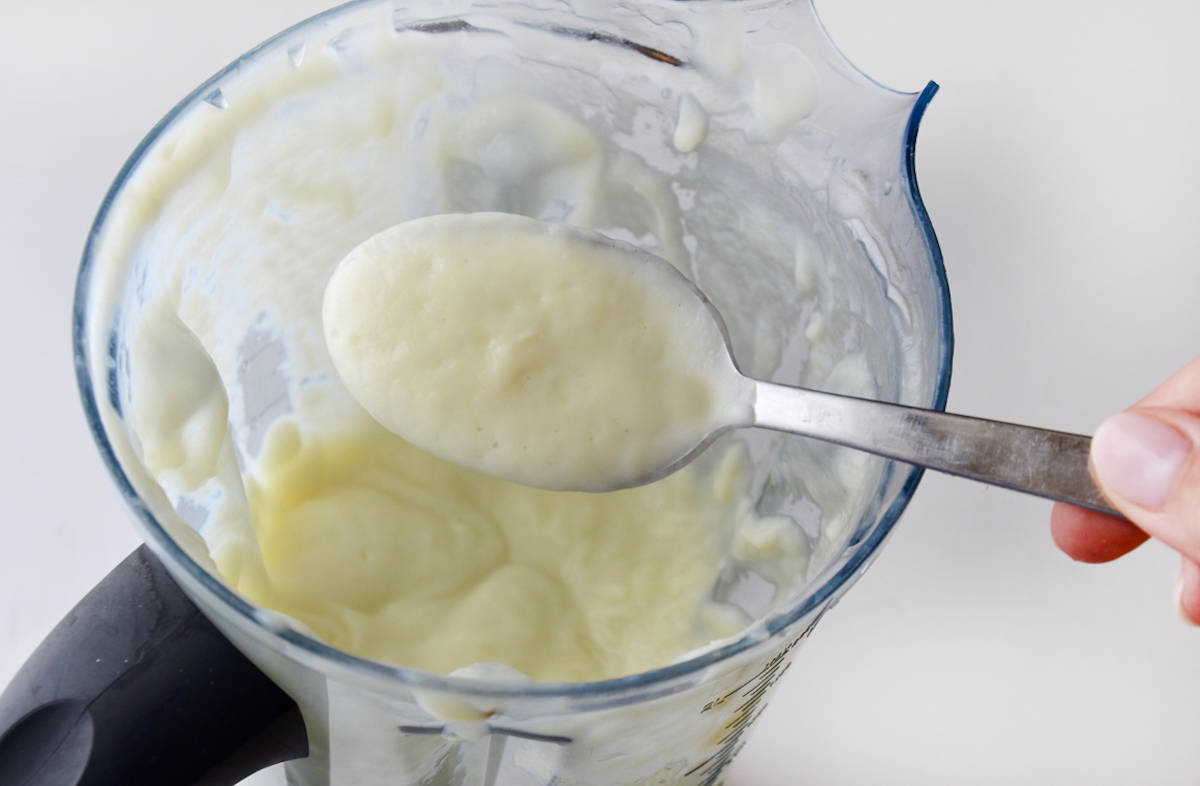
x=750, y=693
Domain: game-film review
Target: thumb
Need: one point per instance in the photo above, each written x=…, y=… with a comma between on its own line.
x=1146, y=461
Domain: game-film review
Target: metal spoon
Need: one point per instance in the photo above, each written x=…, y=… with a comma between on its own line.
x=1046, y=463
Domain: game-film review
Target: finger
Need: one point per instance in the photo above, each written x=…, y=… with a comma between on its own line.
x=1147, y=464
x=1093, y=537
x=1189, y=591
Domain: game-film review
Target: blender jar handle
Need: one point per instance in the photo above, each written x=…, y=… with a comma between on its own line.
x=135, y=685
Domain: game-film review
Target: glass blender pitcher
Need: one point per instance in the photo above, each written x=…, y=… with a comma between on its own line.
x=803, y=224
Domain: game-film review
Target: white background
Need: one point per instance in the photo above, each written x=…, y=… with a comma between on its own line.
x=1060, y=165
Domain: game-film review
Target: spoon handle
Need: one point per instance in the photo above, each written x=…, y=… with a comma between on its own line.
x=1050, y=464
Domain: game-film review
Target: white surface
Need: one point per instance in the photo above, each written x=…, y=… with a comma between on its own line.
x=1059, y=164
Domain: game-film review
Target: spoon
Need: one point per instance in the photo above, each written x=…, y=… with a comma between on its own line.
x=1045, y=463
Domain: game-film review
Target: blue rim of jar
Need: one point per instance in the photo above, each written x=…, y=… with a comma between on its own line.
x=355, y=668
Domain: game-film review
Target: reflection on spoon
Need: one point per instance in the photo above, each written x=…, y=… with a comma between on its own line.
x=556, y=357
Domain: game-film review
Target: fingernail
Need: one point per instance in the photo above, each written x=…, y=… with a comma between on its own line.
x=1138, y=457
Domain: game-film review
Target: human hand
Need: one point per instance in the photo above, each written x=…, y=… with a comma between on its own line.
x=1146, y=461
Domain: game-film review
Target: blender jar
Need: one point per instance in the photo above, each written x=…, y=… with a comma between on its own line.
x=780, y=180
